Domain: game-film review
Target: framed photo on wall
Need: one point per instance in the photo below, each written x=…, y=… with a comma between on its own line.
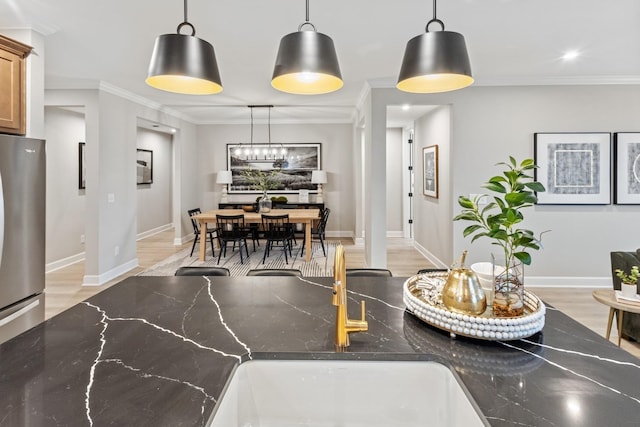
x=626, y=177
x=575, y=168
x=430, y=171
x=144, y=166
x=82, y=167
x=292, y=170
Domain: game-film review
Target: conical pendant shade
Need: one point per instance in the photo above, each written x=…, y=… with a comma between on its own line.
x=184, y=64
x=435, y=62
x=307, y=64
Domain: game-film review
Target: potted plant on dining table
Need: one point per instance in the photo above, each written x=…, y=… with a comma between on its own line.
x=262, y=181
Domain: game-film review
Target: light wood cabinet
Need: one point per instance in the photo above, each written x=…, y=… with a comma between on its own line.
x=13, y=102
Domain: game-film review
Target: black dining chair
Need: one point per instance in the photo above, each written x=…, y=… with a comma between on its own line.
x=275, y=272
x=202, y=271
x=196, y=231
x=368, y=272
x=231, y=228
x=277, y=229
x=319, y=231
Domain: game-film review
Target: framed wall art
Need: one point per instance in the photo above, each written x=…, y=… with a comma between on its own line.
x=82, y=167
x=291, y=170
x=626, y=178
x=575, y=168
x=430, y=171
x=144, y=166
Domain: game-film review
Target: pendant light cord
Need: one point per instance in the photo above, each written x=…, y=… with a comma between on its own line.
x=306, y=21
x=435, y=19
x=251, y=129
x=186, y=22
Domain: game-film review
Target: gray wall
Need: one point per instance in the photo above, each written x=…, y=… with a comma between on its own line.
x=65, y=217
x=337, y=160
x=490, y=123
x=154, y=200
x=432, y=216
x=394, y=182
x=111, y=130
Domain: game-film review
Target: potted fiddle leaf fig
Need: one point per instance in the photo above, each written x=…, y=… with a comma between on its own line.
x=515, y=189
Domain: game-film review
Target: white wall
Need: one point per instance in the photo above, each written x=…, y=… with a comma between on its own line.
x=65, y=215
x=490, y=123
x=337, y=161
x=154, y=200
x=395, y=194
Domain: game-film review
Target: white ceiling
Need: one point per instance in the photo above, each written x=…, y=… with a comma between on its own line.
x=509, y=41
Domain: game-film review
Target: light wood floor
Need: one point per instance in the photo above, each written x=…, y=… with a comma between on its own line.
x=64, y=287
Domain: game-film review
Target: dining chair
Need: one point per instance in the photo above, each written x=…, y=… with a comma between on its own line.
x=368, y=272
x=196, y=231
x=231, y=228
x=277, y=229
x=202, y=271
x=319, y=231
x=275, y=272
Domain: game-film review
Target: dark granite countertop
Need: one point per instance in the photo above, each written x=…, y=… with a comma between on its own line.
x=157, y=351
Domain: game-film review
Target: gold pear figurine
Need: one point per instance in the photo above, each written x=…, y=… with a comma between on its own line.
x=462, y=292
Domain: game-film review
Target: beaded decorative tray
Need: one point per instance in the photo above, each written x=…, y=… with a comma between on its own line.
x=422, y=294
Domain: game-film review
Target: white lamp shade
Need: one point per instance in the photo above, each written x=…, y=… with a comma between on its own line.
x=224, y=177
x=318, y=177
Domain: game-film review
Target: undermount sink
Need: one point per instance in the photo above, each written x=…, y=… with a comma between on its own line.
x=344, y=393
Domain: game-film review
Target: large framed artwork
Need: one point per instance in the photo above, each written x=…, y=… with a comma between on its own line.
x=626, y=177
x=82, y=166
x=291, y=171
x=430, y=171
x=144, y=166
x=575, y=168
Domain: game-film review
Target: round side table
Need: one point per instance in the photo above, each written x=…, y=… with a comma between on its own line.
x=608, y=298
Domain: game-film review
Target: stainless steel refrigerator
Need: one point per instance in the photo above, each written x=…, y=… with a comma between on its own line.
x=22, y=234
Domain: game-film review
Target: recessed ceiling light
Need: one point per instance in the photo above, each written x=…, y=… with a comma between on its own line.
x=570, y=55
x=405, y=107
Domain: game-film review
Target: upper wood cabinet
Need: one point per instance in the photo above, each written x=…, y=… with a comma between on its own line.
x=13, y=102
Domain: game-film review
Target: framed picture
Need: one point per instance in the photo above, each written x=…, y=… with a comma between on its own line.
x=144, y=166
x=82, y=168
x=430, y=171
x=291, y=166
x=575, y=168
x=626, y=178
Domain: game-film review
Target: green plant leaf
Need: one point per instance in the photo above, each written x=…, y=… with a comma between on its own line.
x=524, y=257
x=494, y=186
x=465, y=202
x=535, y=186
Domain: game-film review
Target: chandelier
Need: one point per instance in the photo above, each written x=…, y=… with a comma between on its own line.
x=265, y=152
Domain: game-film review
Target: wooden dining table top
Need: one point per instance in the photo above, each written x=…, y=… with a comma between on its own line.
x=295, y=215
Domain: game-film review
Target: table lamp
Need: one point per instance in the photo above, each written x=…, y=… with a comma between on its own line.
x=224, y=177
x=319, y=177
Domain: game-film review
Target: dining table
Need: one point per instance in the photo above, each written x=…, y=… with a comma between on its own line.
x=296, y=216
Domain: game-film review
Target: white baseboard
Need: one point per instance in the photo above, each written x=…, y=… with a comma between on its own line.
x=153, y=231
x=93, y=280
x=395, y=234
x=65, y=262
x=429, y=256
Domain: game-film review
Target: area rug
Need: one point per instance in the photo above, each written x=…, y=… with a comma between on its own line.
x=319, y=265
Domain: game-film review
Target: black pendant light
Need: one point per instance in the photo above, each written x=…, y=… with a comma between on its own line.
x=307, y=63
x=184, y=63
x=435, y=61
